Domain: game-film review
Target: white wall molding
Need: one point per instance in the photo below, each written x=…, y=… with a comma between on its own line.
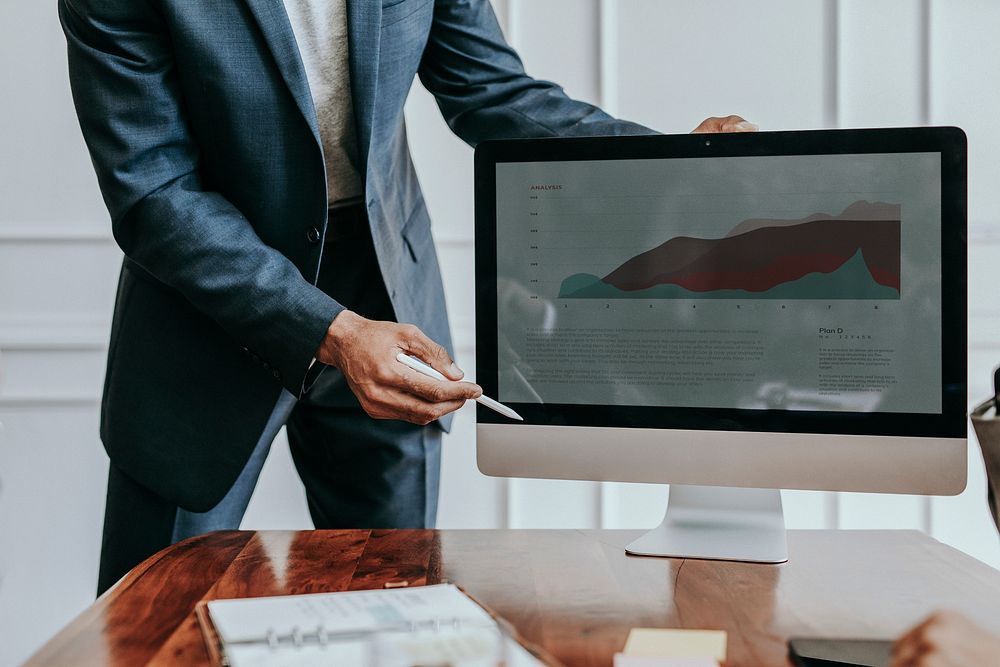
x=985, y=233
x=986, y=338
x=53, y=332
x=512, y=16
x=62, y=231
x=831, y=509
x=66, y=232
x=831, y=105
x=926, y=44
x=75, y=233
x=454, y=241
x=43, y=403
x=608, y=46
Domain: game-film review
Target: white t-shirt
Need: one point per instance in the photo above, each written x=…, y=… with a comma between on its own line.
x=320, y=28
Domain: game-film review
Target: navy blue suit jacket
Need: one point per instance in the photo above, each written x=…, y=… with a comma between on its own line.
x=200, y=123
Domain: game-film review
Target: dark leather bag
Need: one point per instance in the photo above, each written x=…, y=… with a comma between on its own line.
x=987, y=425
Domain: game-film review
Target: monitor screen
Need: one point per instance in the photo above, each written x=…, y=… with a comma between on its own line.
x=724, y=291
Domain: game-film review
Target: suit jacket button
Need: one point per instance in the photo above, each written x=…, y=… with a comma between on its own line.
x=276, y=374
x=313, y=236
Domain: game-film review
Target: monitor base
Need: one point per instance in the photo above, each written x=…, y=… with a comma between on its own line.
x=718, y=523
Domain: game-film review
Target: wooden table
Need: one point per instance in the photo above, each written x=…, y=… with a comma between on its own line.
x=574, y=592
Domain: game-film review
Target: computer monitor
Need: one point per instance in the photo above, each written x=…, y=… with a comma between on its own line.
x=729, y=314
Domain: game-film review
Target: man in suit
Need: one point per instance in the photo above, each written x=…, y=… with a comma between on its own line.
x=253, y=158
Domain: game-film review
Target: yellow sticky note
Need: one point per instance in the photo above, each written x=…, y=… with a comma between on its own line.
x=677, y=643
x=622, y=660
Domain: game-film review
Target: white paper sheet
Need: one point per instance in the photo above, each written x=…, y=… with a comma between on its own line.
x=348, y=611
x=254, y=619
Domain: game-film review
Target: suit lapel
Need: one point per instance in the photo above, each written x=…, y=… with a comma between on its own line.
x=364, y=23
x=277, y=30
x=364, y=29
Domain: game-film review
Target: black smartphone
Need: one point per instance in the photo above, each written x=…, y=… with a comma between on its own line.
x=814, y=652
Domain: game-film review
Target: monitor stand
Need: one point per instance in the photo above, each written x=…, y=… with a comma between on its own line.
x=718, y=523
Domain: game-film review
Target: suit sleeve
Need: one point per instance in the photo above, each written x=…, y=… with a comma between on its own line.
x=483, y=91
x=131, y=111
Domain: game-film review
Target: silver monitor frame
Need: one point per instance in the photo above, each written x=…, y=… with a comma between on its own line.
x=724, y=503
x=724, y=500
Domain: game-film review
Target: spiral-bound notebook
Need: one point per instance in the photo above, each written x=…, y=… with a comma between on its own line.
x=338, y=628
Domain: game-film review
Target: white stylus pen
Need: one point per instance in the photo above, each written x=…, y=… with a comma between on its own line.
x=421, y=367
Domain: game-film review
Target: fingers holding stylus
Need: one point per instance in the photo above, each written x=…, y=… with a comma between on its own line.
x=416, y=343
x=365, y=352
x=435, y=391
x=392, y=403
x=422, y=368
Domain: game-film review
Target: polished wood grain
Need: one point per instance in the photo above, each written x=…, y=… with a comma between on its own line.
x=575, y=593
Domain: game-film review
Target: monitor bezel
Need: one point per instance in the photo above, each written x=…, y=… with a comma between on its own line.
x=950, y=142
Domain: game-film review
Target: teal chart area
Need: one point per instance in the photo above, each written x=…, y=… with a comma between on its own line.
x=853, y=254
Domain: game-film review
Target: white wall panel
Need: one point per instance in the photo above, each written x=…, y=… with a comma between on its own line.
x=458, y=266
x=684, y=60
x=502, y=10
x=41, y=374
x=879, y=510
x=572, y=63
x=965, y=91
x=542, y=503
x=57, y=280
x=810, y=509
x=444, y=165
x=984, y=301
x=632, y=505
x=881, y=63
x=52, y=176
x=53, y=473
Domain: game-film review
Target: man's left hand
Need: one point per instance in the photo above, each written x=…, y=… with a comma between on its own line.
x=725, y=124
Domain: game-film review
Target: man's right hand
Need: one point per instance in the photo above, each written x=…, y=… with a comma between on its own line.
x=725, y=124
x=365, y=352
